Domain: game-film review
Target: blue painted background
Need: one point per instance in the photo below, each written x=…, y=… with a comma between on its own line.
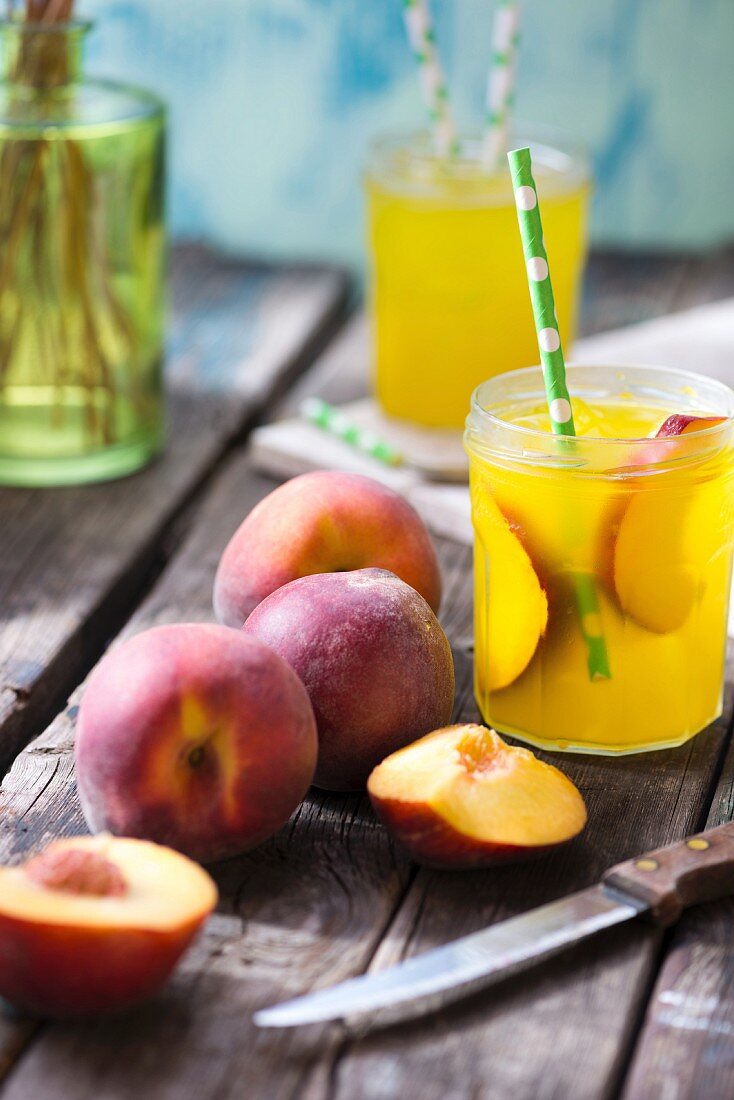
x=273, y=102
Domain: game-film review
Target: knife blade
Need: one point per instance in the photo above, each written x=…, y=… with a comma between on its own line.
x=464, y=966
x=659, y=885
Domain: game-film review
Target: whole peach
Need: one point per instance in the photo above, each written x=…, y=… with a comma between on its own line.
x=375, y=661
x=195, y=736
x=323, y=522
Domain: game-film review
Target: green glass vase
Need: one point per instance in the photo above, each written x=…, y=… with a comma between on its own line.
x=82, y=264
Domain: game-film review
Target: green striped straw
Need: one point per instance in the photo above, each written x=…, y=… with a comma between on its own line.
x=435, y=91
x=501, y=81
x=333, y=421
x=554, y=376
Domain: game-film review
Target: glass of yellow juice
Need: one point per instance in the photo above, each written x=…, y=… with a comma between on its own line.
x=620, y=538
x=448, y=288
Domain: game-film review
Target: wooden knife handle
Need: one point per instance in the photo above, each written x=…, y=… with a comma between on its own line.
x=697, y=869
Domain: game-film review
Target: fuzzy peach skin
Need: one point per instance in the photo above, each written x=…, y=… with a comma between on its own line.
x=376, y=664
x=95, y=924
x=323, y=522
x=462, y=797
x=196, y=736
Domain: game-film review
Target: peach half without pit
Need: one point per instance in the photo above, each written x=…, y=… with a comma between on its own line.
x=462, y=797
x=323, y=522
x=94, y=924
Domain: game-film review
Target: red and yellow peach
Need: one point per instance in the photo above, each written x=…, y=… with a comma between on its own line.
x=196, y=736
x=376, y=664
x=323, y=522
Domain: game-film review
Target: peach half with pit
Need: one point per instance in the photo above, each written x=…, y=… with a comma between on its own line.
x=376, y=664
x=196, y=736
x=323, y=522
x=94, y=924
x=669, y=532
x=463, y=797
x=511, y=604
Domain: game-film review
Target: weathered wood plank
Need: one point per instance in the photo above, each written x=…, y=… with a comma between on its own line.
x=72, y=559
x=562, y=1029
x=307, y=907
x=311, y=907
x=334, y=849
x=686, y=1046
x=575, y=1019
x=622, y=288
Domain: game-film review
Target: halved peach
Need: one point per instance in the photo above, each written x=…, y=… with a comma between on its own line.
x=94, y=924
x=667, y=537
x=462, y=797
x=511, y=607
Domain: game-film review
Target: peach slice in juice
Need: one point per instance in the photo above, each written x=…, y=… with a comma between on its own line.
x=513, y=620
x=668, y=536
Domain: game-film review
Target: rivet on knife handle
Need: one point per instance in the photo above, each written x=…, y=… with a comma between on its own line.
x=670, y=879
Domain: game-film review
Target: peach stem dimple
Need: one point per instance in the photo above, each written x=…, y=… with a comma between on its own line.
x=196, y=756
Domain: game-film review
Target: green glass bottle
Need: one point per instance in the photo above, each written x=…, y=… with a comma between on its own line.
x=82, y=264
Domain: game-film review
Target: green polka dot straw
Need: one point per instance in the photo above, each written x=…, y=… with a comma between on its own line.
x=435, y=92
x=333, y=421
x=501, y=80
x=541, y=292
x=554, y=377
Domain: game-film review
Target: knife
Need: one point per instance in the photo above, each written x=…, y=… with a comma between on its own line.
x=657, y=886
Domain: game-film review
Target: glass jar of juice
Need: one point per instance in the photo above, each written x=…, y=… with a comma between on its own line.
x=449, y=294
x=617, y=538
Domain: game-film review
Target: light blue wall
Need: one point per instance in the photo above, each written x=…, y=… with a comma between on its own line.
x=273, y=102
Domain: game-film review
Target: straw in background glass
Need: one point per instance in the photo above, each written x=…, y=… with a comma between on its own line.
x=435, y=91
x=501, y=81
x=333, y=421
x=554, y=376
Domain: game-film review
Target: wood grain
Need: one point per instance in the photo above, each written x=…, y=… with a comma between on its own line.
x=72, y=561
x=686, y=1045
x=622, y=288
x=574, y=1017
x=316, y=901
x=329, y=896
x=306, y=908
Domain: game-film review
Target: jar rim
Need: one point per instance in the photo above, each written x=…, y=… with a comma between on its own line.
x=408, y=157
x=488, y=431
x=38, y=26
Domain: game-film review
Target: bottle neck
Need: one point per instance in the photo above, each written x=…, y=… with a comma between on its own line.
x=42, y=55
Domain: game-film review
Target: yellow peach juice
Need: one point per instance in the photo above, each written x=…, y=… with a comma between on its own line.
x=448, y=288
x=645, y=522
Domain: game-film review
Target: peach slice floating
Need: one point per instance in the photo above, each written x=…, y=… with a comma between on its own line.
x=684, y=424
x=665, y=541
x=94, y=924
x=462, y=797
x=512, y=620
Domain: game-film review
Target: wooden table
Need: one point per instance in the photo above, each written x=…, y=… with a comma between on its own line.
x=631, y=1014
